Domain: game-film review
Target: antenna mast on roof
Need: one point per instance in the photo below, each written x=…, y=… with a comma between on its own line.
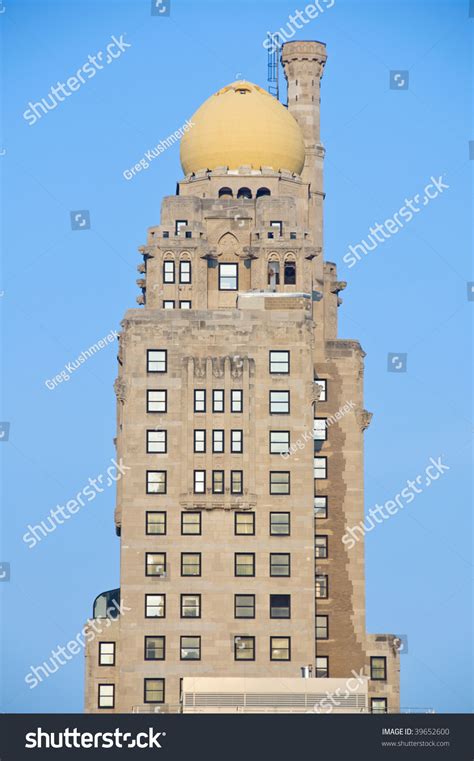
x=272, y=65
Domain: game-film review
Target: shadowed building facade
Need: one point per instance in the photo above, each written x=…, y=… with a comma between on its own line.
x=240, y=418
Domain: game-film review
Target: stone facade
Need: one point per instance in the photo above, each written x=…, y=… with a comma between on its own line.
x=208, y=327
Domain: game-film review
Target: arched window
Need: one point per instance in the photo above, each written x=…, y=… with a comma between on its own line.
x=263, y=192
x=244, y=193
x=273, y=272
x=168, y=269
x=223, y=192
x=290, y=272
x=185, y=270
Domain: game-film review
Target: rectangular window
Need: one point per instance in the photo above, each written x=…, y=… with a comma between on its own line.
x=155, y=564
x=190, y=564
x=321, y=546
x=378, y=705
x=179, y=226
x=236, y=441
x=199, y=400
x=320, y=430
x=280, y=606
x=156, y=400
x=156, y=482
x=155, y=523
x=279, y=442
x=244, y=564
x=156, y=442
x=228, y=277
x=323, y=386
x=244, y=524
x=190, y=649
x=378, y=668
x=279, y=362
x=279, y=524
x=155, y=606
x=168, y=271
x=244, y=648
x=218, y=441
x=279, y=402
x=190, y=606
x=277, y=226
x=154, y=691
x=185, y=271
x=157, y=360
x=191, y=523
x=218, y=482
x=280, y=648
x=236, y=400
x=320, y=507
x=106, y=697
x=322, y=667
x=322, y=627
x=236, y=482
x=185, y=304
x=168, y=304
x=244, y=606
x=320, y=467
x=199, y=481
x=106, y=653
x=279, y=482
x=199, y=440
x=322, y=589
x=218, y=400
x=155, y=648
x=280, y=564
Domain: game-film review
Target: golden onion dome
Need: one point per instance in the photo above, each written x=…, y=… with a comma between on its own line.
x=242, y=125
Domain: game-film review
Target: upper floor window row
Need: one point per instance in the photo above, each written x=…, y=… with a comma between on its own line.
x=218, y=400
x=169, y=271
x=273, y=272
x=226, y=192
x=279, y=364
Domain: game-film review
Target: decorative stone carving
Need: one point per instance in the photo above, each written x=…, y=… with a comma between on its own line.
x=120, y=388
x=236, y=367
x=337, y=285
x=218, y=367
x=141, y=299
x=363, y=418
x=199, y=367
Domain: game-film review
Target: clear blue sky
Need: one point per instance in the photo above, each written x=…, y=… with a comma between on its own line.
x=64, y=290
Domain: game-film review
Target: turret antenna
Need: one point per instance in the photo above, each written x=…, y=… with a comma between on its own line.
x=272, y=64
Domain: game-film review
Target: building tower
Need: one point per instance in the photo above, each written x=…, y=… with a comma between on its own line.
x=240, y=421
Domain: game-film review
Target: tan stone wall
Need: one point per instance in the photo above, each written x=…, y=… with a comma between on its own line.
x=223, y=343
